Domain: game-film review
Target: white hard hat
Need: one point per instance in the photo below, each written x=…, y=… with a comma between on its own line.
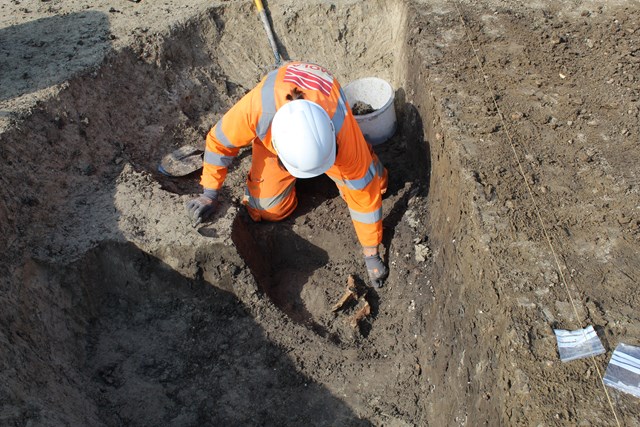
x=304, y=138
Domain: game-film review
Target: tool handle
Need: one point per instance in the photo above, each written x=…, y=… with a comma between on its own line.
x=267, y=28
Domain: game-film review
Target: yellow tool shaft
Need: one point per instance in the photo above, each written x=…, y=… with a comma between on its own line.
x=267, y=28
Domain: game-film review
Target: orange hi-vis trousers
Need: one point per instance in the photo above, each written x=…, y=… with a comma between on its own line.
x=271, y=192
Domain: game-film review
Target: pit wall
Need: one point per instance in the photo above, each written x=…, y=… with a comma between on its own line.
x=463, y=334
x=353, y=39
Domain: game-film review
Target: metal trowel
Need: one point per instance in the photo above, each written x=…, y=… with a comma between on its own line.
x=181, y=162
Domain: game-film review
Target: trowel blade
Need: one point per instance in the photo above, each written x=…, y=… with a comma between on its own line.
x=181, y=162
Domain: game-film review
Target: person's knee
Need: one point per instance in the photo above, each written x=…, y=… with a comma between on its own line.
x=275, y=213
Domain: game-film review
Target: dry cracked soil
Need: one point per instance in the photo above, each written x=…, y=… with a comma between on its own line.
x=512, y=209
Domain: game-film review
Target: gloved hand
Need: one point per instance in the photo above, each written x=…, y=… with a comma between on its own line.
x=376, y=269
x=200, y=208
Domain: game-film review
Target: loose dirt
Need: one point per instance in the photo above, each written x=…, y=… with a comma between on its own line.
x=360, y=108
x=500, y=218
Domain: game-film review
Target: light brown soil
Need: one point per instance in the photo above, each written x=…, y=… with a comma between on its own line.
x=116, y=311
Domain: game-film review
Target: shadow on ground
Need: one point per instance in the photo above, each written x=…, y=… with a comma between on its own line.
x=142, y=345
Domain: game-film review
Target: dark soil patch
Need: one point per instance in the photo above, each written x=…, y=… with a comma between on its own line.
x=360, y=108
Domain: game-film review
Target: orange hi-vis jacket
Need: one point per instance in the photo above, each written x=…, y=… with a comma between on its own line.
x=357, y=172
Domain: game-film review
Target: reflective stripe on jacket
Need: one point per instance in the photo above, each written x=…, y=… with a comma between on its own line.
x=357, y=171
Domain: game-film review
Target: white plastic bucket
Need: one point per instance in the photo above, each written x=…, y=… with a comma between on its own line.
x=379, y=125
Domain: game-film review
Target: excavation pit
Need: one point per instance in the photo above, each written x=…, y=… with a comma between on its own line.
x=117, y=311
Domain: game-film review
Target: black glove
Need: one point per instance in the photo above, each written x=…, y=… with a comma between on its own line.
x=200, y=208
x=376, y=269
